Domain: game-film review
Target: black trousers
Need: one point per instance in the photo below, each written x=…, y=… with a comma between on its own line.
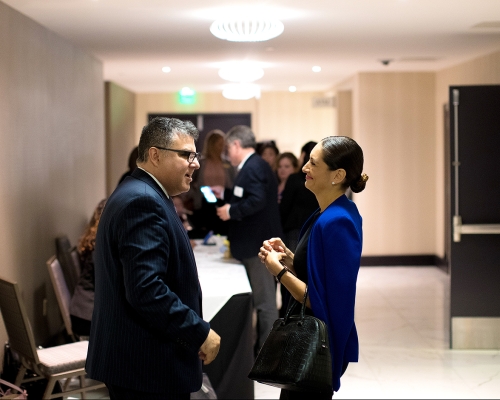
x=120, y=393
x=295, y=395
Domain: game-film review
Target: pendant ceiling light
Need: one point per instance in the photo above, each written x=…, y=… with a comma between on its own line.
x=241, y=72
x=247, y=29
x=241, y=91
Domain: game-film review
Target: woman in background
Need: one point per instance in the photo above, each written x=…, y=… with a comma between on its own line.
x=296, y=206
x=82, y=302
x=287, y=165
x=269, y=153
x=327, y=258
x=297, y=203
x=214, y=170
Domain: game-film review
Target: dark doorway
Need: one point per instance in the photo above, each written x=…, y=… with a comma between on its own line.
x=474, y=198
x=207, y=122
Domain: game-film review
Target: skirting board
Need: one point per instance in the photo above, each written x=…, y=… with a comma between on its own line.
x=475, y=333
x=404, y=261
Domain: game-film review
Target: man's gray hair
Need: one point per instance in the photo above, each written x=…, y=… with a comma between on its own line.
x=160, y=131
x=242, y=133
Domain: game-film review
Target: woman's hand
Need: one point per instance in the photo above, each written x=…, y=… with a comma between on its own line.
x=277, y=245
x=273, y=262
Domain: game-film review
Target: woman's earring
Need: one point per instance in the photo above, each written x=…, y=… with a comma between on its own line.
x=333, y=183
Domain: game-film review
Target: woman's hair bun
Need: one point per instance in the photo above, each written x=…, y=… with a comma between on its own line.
x=359, y=184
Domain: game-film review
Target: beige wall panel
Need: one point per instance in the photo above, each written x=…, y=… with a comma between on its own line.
x=344, y=107
x=480, y=71
x=120, y=132
x=52, y=155
x=289, y=118
x=394, y=124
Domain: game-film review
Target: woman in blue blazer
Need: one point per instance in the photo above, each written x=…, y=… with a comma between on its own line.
x=327, y=257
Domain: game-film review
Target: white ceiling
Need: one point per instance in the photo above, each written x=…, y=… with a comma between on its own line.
x=135, y=38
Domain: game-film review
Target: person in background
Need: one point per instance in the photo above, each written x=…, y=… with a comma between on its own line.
x=183, y=213
x=269, y=153
x=82, y=301
x=287, y=165
x=296, y=206
x=214, y=170
x=252, y=211
x=297, y=202
x=148, y=338
x=327, y=257
x=132, y=163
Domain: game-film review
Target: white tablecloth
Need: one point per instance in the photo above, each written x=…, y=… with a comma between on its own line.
x=220, y=278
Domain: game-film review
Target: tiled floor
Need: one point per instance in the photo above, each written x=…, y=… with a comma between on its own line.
x=403, y=326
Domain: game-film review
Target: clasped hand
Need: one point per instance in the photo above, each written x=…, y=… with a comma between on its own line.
x=273, y=254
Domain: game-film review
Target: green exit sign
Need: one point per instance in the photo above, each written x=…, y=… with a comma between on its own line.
x=187, y=96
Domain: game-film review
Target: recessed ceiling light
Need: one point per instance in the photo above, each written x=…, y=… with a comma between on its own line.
x=316, y=68
x=166, y=69
x=247, y=28
x=241, y=72
x=292, y=89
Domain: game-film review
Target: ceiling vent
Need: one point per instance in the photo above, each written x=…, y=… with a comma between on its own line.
x=418, y=59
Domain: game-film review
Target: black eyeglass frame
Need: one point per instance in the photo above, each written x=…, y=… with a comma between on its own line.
x=190, y=155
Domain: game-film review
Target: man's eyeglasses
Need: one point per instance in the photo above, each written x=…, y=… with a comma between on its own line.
x=189, y=155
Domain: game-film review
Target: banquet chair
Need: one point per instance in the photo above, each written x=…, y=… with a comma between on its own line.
x=63, y=254
x=62, y=293
x=76, y=261
x=54, y=363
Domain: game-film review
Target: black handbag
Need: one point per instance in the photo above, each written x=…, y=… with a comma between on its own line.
x=296, y=354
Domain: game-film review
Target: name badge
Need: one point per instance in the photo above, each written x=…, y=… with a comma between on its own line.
x=238, y=191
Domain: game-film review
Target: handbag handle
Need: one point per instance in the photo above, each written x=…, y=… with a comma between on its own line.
x=292, y=306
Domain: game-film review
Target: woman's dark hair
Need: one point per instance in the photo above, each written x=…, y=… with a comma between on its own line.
x=271, y=144
x=210, y=142
x=343, y=152
x=306, y=149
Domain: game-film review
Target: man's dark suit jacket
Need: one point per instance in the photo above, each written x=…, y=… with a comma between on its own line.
x=147, y=327
x=254, y=212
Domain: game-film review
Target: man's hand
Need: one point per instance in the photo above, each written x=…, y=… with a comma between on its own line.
x=223, y=212
x=210, y=348
x=218, y=191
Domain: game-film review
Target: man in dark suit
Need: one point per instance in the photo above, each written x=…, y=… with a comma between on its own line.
x=254, y=216
x=148, y=338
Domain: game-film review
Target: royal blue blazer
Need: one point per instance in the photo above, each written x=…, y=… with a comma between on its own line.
x=333, y=260
x=147, y=324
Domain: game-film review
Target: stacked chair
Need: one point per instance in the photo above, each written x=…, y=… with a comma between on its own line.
x=54, y=363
